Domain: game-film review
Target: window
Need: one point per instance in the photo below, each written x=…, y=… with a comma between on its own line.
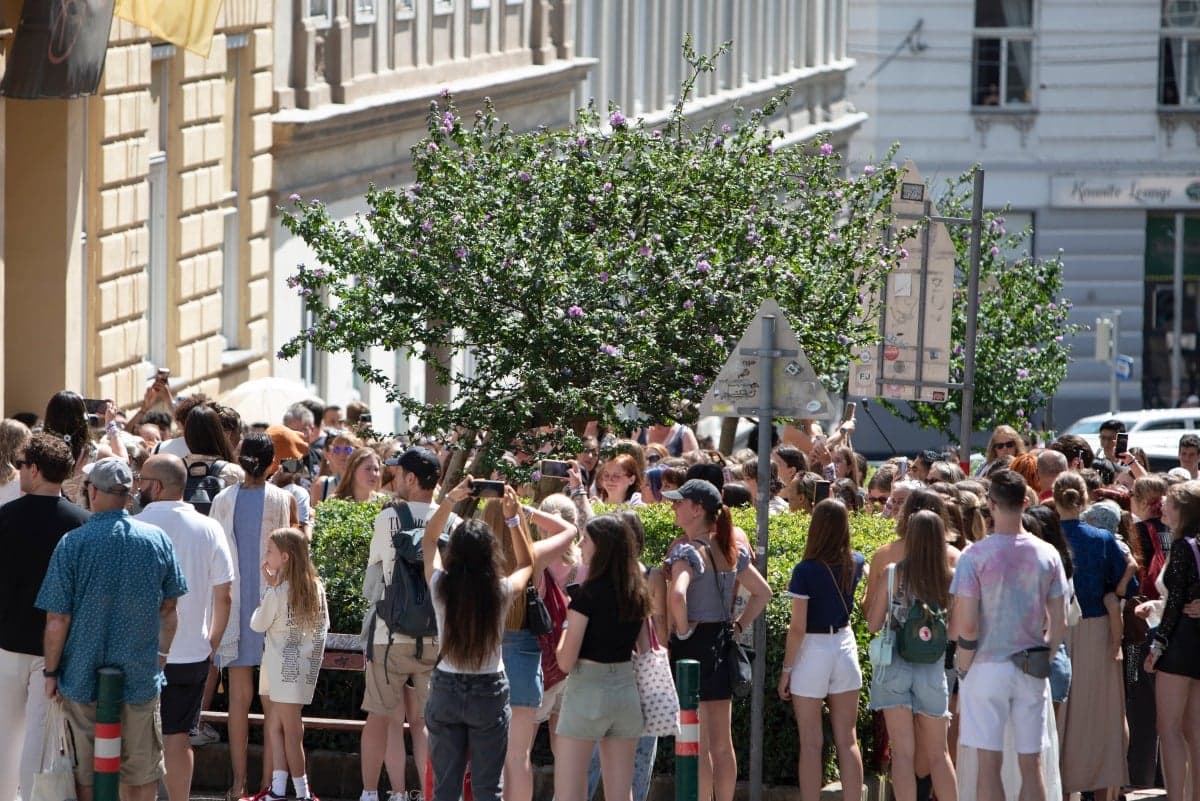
x=1002, y=59
x=231, y=286
x=364, y=11
x=318, y=9
x=1179, y=54
x=404, y=9
x=158, y=133
x=1163, y=425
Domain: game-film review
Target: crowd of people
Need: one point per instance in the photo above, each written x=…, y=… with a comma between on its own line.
x=1036, y=624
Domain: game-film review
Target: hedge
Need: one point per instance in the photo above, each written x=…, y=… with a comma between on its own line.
x=341, y=540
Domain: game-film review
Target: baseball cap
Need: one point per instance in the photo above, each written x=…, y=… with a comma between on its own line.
x=112, y=476
x=421, y=462
x=288, y=444
x=1103, y=514
x=697, y=490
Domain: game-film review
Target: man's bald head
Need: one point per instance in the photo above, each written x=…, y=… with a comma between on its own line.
x=1049, y=464
x=169, y=471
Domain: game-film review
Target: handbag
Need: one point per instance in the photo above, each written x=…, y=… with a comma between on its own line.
x=537, y=618
x=556, y=603
x=1033, y=661
x=656, y=689
x=883, y=644
x=56, y=780
x=740, y=658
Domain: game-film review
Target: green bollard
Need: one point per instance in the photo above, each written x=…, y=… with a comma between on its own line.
x=687, y=742
x=106, y=764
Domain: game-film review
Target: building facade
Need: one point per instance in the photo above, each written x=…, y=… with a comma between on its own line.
x=363, y=73
x=1085, y=115
x=135, y=228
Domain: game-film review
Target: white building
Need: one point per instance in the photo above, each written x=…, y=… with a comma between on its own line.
x=364, y=71
x=1085, y=115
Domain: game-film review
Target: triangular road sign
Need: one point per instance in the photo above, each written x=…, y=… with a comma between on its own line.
x=737, y=390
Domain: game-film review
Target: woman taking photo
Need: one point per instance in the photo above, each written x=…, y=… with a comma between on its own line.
x=820, y=659
x=607, y=616
x=467, y=714
x=703, y=570
x=248, y=513
x=914, y=696
x=1174, y=655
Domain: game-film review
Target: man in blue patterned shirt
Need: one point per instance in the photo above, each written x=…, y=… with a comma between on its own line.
x=109, y=598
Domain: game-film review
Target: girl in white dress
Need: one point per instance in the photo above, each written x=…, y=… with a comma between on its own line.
x=295, y=620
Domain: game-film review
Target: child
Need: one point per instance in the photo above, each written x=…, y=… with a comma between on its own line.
x=293, y=616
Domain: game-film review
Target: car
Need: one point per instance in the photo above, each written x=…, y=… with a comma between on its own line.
x=1157, y=431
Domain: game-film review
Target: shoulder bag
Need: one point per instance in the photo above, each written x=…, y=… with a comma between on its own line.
x=883, y=644
x=537, y=618
x=741, y=658
x=656, y=689
x=555, y=604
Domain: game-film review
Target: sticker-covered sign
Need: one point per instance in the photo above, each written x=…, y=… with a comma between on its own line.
x=798, y=392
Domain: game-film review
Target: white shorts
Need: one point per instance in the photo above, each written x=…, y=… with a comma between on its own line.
x=992, y=695
x=827, y=665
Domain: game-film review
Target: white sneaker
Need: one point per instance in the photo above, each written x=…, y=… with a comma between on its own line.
x=204, y=734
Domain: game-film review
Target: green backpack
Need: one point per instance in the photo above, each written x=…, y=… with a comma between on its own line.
x=922, y=638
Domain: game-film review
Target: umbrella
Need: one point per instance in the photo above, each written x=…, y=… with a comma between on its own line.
x=264, y=400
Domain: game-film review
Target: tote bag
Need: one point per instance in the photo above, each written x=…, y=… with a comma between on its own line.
x=656, y=689
x=56, y=780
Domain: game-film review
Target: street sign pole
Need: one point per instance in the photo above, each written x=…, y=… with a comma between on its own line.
x=968, y=389
x=765, y=425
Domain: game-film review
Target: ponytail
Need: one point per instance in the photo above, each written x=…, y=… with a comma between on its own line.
x=723, y=538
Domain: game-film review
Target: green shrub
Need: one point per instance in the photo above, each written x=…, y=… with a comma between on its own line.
x=342, y=533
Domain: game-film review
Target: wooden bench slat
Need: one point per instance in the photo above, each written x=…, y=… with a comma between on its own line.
x=327, y=724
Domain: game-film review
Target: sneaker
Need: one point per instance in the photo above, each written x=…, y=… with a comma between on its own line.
x=204, y=734
x=264, y=794
x=309, y=797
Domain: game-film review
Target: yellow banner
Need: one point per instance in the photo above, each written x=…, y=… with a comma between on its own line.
x=186, y=23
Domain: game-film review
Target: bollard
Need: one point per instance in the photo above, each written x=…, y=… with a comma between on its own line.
x=687, y=742
x=110, y=688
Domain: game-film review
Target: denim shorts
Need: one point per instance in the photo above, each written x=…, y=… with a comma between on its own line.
x=1060, y=675
x=922, y=688
x=523, y=664
x=601, y=701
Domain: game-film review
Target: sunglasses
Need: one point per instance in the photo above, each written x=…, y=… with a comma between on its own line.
x=1001, y=446
x=653, y=458
x=342, y=450
x=291, y=466
x=878, y=499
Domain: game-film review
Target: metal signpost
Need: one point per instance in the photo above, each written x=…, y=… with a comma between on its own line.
x=766, y=377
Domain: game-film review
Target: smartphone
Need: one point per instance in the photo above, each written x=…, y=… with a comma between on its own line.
x=364, y=419
x=486, y=489
x=552, y=468
x=903, y=467
x=848, y=411
x=1122, y=443
x=830, y=472
x=95, y=405
x=162, y=375
x=822, y=491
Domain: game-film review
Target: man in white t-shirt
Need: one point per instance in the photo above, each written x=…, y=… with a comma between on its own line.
x=207, y=564
x=1009, y=606
x=398, y=671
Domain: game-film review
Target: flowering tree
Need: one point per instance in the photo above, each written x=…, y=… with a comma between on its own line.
x=592, y=269
x=1020, y=354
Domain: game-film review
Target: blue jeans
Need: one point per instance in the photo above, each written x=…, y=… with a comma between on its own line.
x=467, y=716
x=643, y=768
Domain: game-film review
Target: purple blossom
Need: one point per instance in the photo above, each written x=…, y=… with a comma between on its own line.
x=726, y=128
x=720, y=340
x=524, y=176
x=697, y=379
x=1058, y=338
x=427, y=226
x=656, y=134
x=603, y=277
x=294, y=197
x=535, y=476
x=575, y=312
x=689, y=304
x=445, y=91
x=1022, y=373
x=616, y=119
x=644, y=250
x=460, y=252
x=995, y=251
x=869, y=169
x=610, y=350
x=1020, y=412
x=608, y=187
x=702, y=266
x=903, y=253
x=456, y=219
x=826, y=149
x=769, y=261
x=432, y=147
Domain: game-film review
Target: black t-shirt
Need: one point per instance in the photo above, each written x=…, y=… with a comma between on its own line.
x=30, y=528
x=606, y=639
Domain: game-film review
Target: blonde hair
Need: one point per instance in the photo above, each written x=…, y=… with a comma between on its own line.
x=1006, y=432
x=561, y=505
x=305, y=607
x=14, y=436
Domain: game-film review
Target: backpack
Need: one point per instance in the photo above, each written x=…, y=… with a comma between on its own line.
x=407, y=604
x=203, y=484
x=922, y=639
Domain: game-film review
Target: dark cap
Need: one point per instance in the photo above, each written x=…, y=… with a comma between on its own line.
x=421, y=462
x=699, y=491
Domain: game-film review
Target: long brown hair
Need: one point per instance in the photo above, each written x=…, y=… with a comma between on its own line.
x=918, y=499
x=614, y=556
x=851, y=459
x=829, y=540
x=345, y=488
x=472, y=592
x=926, y=574
x=722, y=521
x=1186, y=496
x=305, y=608
x=493, y=517
x=628, y=466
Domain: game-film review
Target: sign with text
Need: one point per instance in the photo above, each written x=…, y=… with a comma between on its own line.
x=58, y=50
x=1130, y=192
x=798, y=392
x=912, y=361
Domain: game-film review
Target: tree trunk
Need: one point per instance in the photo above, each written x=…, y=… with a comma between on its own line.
x=728, y=432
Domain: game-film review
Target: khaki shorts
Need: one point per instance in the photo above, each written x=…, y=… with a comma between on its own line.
x=385, y=683
x=141, y=742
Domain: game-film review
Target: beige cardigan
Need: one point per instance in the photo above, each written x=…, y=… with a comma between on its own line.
x=277, y=513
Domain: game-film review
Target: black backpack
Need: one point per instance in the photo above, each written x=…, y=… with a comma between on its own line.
x=407, y=604
x=203, y=484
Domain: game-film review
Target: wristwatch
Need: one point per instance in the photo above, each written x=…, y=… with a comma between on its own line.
x=50, y=674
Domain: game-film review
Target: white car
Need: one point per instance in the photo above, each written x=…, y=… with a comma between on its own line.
x=1157, y=431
